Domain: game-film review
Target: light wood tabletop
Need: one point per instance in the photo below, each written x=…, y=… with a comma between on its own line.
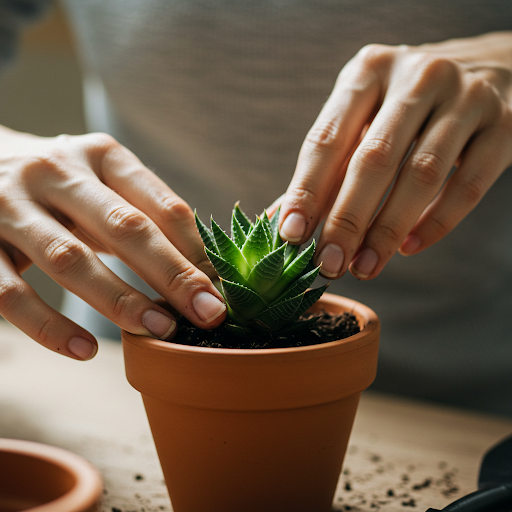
x=403, y=455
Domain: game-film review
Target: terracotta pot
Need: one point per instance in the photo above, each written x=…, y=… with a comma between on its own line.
x=36, y=477
x=254, y=430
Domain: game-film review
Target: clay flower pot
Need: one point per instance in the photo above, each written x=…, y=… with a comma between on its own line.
x=254, y=430
x=36, y=477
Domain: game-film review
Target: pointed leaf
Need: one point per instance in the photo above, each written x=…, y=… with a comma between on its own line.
x=256, y=246
x=268, y=229
x=280, y=314
x=206, y=234
x=225, y=269
x=242, y=219
x=277, y=241
x=290, y=254
x=310, y=298
x=242, y=300
x=294, y=269
x=237, y=233
x=228, y=250
x=299, y=286
x=267, y=271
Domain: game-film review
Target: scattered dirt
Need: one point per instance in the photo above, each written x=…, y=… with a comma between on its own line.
x=328, y=327
x=383, y=484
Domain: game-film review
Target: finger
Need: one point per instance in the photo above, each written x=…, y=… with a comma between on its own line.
x=419, y=181
x=481, y=165
x=135, y=239
x=73, y=265
x=123, y=172
x=326, y=149
x=369, y=175
x=274, y=206
x=21, y=306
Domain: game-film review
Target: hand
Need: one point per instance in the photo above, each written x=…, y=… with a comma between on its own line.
x=432, y=107
x=62, y=199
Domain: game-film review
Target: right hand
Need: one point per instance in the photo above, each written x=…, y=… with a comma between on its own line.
x=61, y=200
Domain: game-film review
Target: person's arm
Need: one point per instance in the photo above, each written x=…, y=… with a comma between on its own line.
x=62, y=199
x=452, y=100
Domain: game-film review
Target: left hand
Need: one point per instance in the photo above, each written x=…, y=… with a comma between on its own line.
x=449, y=104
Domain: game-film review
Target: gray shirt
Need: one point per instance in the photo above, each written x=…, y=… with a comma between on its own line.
x=217, y=97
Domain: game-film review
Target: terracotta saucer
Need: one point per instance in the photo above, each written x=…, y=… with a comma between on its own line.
x=36, y=477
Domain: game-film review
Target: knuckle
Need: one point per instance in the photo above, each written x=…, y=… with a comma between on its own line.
x=373, y=54
x=101, y=141
x=441, y=226
x=388, y=231
x=435, y=67
x=347, y=224
x=303, y=194
x=49, y=164
x=325, y=135
x=11, y=291
x=478, y=91
x=121, y=303
x=64, y=256
x=46, y=331
x=126, y=222
x=430, y=69
x=472, y=189
x=174, y=209
x=376, y=155
x=427, y=169
x=99, y=147
x=180, y=278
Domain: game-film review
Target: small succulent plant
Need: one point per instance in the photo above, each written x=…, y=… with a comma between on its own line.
x=264, y=280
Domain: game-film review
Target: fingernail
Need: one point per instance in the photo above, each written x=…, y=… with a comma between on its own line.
x=82, y=348
x=293, y=228
x=331, y=258
x=158, y=324
x=410, y=245
x=365, y=263
x=208, y=307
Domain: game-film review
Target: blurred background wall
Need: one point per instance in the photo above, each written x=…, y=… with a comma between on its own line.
x=41, y=93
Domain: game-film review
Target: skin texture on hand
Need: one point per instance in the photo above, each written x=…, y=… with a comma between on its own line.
x=62, y=200
x=397, y=122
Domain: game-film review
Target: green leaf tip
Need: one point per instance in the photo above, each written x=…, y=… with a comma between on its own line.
x=264, y=280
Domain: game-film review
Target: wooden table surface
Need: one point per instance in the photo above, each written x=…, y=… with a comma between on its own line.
x=403, y=455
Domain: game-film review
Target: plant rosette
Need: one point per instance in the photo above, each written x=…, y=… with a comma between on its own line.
x=260, y=429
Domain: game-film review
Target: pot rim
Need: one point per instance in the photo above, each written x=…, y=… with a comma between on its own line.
x=367, y=318
x=247, y=379
x=88, y=487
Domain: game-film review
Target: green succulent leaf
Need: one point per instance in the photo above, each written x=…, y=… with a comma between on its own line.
x=242, y=300
x=310, y=297
x=268, y=230
x=294, y=270
x=242, y=219
x=291, y=253
x=206, y=234
x=237, y=233
x=264, y=280
x=225, y=269
x=267, y=271
x=300, y=285
x=277, y=241
x=229, y=251
x=256, y=246
x=275, y=316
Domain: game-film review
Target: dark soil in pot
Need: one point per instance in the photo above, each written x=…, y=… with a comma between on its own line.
x=328, y=327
